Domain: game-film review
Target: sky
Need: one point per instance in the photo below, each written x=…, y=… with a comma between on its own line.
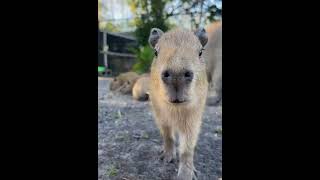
x=119, y=11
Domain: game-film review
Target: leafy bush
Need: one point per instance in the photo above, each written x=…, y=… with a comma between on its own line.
x=144, y=59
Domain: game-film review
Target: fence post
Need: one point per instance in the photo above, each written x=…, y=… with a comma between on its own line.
x=105, y=49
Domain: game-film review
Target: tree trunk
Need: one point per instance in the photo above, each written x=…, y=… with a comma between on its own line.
x=201, y=9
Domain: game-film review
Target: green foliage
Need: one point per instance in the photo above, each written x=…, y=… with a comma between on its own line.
x=144, y=59
x=107, y=26
x=143, y=29
x=112, y=171
x=154, y=13
x=103, y=25
x=149, y=14
x=214, y=12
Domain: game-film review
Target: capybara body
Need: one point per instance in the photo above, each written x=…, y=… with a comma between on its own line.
x=140, y=90
x=213, y=57
x=178, y=91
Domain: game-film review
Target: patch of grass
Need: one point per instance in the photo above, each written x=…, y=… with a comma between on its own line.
x=122, y=137
x=118, y=115
x=112, y=171
x=218, y=130
x=145, y=135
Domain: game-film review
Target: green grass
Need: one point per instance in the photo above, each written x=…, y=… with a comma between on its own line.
x=118, y=115
x=145, y=135
x=112, y=171
x=218, y=131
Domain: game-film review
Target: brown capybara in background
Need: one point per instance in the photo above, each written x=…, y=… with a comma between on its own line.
x=213, y=56
x=140, y=90
x=123, y=82
x=178, y=92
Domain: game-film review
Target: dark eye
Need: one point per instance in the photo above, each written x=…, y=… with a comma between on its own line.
x=128, y=82
x=166, y=74
x=188, y=74
x=200, y=53
x=156, y=53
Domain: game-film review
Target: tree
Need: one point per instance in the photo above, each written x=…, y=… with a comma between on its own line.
x=149, y=13
x=103, y=24
x=156, y=13
x=199, y=11
x=108, y=26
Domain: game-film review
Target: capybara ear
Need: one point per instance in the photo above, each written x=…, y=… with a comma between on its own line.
x=202, y=36
x=154, y=36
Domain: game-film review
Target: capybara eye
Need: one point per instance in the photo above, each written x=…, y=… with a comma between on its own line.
x=166, y=74
x=128, y=82
x=188, y=74
x=156, y=53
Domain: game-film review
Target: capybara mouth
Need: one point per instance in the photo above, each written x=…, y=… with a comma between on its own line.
x=178, y=101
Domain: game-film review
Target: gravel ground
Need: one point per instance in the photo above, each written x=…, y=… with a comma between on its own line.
x=129, y=141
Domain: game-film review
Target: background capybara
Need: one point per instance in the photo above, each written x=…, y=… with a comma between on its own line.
x=140, y=90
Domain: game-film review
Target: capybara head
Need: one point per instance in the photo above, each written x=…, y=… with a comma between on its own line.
x=121, y=81
x=178, y=68
x=116, y=83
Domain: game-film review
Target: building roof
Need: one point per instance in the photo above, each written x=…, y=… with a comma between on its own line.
x=125, y=35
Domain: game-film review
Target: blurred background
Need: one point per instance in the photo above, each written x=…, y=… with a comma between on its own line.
x=124, y=27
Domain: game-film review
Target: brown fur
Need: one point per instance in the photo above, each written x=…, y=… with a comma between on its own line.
x=124, y=82
x=213, y=56
x=179, y=50
x=141, y=88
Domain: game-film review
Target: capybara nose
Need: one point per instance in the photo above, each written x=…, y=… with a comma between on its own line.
x=183, y=77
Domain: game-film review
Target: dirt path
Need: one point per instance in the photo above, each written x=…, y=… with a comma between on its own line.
x=129, y=141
